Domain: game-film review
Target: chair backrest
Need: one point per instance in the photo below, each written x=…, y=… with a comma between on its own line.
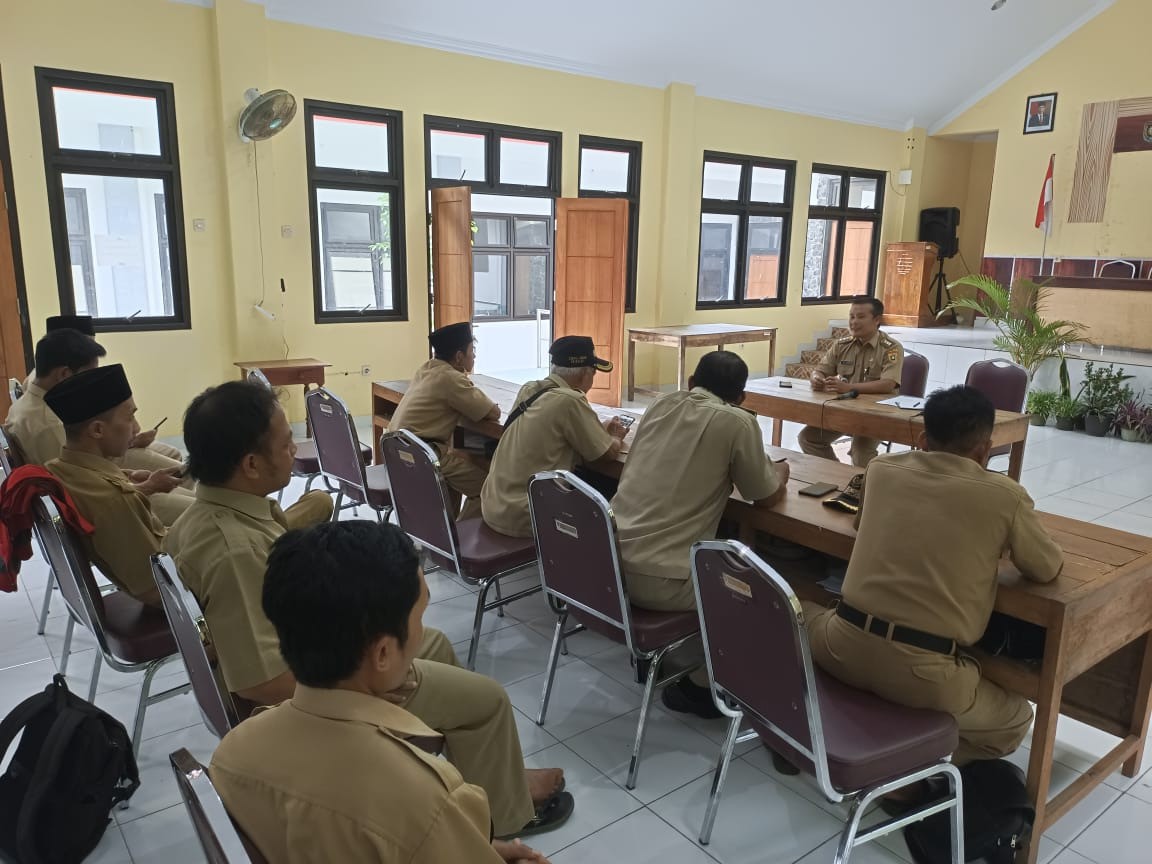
x=15, y=389
x=914, y=375
x=1002, y=381
x=419, y=493
x=219, y=837
x=9, y=461
x=337, y=444
x=576, y=539
x=193, y=638
x=255, y=376
x=748, y=611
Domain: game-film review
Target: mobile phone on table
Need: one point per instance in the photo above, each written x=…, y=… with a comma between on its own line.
x=818, y=489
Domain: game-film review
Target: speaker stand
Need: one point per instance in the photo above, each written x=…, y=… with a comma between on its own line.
x=940, y=284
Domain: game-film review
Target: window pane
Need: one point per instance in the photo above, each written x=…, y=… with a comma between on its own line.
x=490, y=284
x=524, y=163
x=603, y=170
x=358, y=145
x=115, y=246
x=721, y=181
x=862, y=192
x=763, y=262
x=355, y=250
x=111, y=122
x=717, y=278
x=490, y=232
x=531, y=232
x=531, y=285
x=457, y=155
x=768, y=184
x=818, y=257
x=826, y=190
x=857, y=258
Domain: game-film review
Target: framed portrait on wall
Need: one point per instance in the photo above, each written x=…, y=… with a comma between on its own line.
x=1040, y=114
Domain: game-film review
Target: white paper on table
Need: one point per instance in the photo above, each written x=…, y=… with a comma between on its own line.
x=910, y=402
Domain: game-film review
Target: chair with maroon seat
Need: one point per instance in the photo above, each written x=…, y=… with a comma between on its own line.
x=194, y=639
x=467, y=547
x=913, y=380
x=1004, y=383
x=582, y=574
x=341, y=461
x=858, y=747
x=130, y=636
x=221, y=838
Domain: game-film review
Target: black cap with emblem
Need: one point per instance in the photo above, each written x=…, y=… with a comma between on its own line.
x=451, y=338
x=83, y=323
x=89, y=394
x=577, y=351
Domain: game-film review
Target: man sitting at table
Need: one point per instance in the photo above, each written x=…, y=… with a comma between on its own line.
x=691, y=448
x=867, y=361
x=438, y=397
x=551, y=427
x=922, y=579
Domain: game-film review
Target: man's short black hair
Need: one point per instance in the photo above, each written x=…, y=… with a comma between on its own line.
x=958, y=419
x=332, y=590
x=724, y=373
x=223, y=425
x=862, y=300
x=69, y=348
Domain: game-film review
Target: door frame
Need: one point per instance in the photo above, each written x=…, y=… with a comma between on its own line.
x=14, y=233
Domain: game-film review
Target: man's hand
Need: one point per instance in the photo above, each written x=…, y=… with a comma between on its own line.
x=159, y=481
x=783, y=471
x=142, y=439
x=403, y=693
x=136, y=476
x=515, y=852
x=838, y=385
x=615, y=428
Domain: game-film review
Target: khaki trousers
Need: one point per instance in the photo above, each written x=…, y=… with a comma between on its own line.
x=478, y=723
x=668, y=595
x=818, y=442
x=311, y=509
x=464, y=477
x=992, y=721
x=168, y=506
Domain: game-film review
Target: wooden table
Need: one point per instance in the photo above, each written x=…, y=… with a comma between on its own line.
x=284, y=373
x=1097, y=666
x=687, y=336
x=863, y=416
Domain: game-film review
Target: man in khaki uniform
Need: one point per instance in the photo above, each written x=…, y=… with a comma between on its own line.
x=912, y=599
x=438, y=397
x=551, y=427
x=690, y=449
x=97, y=412
x=339, y=772
x=867, y=361
x=221, y=547
x=63, y=352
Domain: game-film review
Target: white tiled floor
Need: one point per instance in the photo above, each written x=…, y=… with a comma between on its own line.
x=764, y=817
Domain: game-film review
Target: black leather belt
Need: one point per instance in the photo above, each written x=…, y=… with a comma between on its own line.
x=895, y=632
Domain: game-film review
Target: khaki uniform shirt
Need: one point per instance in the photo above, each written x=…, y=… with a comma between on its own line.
x=220, y=546
x=37, y=429
x=690, y=448
x=329, y=776
x=558, y=429
x=880, y=358
x=127, y=531
x=931, y=530
x=437, y=398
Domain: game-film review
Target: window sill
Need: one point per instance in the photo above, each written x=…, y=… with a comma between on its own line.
x=827, y=301
x=359, y=317
x=747, y=304
x=138, y=325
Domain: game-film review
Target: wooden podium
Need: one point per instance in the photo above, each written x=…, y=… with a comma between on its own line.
x=908, y=272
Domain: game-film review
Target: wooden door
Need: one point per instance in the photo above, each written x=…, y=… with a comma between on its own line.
x=591, y=263
x=13, y=356
x=451, y=255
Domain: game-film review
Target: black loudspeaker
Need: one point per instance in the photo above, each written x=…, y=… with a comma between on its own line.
x=938, y=225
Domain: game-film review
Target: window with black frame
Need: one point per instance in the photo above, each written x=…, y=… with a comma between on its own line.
x=610, y=168
x=511, y=263
x=843, y=239
x=745, y=223
x=355, y=186
x=114, y=200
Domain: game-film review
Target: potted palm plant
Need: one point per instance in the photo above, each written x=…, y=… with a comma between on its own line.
x=1023, y=333
x=1040, y=405
x=1102, y=394
x=1066, y=410
x=1130, y=419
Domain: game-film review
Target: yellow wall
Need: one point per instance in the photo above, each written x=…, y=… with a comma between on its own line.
x=1104, y=60
x=213, y=55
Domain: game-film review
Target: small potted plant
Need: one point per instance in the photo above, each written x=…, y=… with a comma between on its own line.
x=1102, y=394
x=1066, y=409
x=1040, y=405
x=1130, y=419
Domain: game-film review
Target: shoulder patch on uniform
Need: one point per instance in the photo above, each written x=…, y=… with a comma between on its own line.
x=892, y=355
x=844, y=340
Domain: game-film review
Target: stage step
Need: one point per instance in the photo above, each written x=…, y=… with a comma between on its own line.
x=811, y=358
x=799, y=370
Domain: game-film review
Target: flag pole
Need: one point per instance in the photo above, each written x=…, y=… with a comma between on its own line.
x=1048, y=220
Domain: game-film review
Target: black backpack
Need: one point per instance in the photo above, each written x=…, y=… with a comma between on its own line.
x=73, y=765
x=998, y=818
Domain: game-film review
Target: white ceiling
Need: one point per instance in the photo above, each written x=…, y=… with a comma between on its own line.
x=892, y=63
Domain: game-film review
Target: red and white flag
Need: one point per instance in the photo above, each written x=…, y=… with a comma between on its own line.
x=1044, y=208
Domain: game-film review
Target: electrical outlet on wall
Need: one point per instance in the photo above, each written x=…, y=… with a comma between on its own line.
x=365, y=370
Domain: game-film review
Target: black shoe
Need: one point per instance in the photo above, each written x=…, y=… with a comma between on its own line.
x=685, y=697
x=551, y=814
x=782, y=765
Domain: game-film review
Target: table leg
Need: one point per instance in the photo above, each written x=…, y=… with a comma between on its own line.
x=772, y=356
x=777, y=431
x=631, y=369
x=307, y=422
x=681, y=357
x=1141, y=711
x=1016, y=460
x=1043, y=746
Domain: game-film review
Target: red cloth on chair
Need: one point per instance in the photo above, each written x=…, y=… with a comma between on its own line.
x=18, y=493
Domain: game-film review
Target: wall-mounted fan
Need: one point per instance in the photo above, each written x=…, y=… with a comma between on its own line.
x=266, y=114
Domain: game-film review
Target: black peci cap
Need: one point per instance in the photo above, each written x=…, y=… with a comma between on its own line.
x=577, y=351
x=83, y=323
x=451, y=338
x=88, y=394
